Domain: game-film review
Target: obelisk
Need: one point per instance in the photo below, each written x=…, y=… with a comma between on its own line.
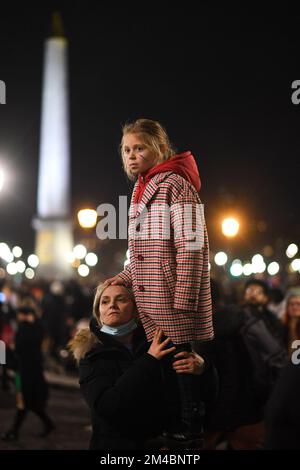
x=54, y=233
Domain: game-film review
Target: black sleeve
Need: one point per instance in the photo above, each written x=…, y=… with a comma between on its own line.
x=282, y=413
x=208, y=383
x=227, y=322
x=114, y=399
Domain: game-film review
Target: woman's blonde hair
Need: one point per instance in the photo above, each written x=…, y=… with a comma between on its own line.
x=155, y=138
x=99, y=291
x=286, y=318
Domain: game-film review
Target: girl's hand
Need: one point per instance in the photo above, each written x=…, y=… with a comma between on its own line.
x=114, y=281
x=189, y=363
x=157, y=347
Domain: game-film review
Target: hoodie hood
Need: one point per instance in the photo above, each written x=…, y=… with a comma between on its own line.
x=183, y=164
x=82, y=343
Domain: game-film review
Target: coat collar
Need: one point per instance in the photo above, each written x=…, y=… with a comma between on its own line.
x=107, y=342
x=150, y=190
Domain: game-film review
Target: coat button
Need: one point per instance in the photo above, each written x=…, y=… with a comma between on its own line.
x=140, y=258
x=141, y=288
x=138, y=227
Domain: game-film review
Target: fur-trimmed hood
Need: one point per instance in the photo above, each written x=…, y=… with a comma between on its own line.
x=82, y=343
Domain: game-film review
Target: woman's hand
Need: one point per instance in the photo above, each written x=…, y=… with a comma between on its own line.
x=157, y=347
x=114, y=281
x=189, y=363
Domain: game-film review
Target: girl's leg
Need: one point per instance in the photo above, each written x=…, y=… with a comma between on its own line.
x=191, y=412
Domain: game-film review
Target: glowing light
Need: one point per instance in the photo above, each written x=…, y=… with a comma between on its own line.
x=292, y=250
x=221, y=258
x=33, y=261
x=126, y=262
x=127, y=254
x=21, y=266
x=295, y=264
x=230, y=227
x=29, y=273
x=4, y=250
x=257, y=259
x=273, y=268
x=17, y=251
x=236, y=261
x=87, y=218
x=83, y=270
x=12, y=269
x=80, y=251
x=91, y=259
x=247, y=269
x=8, y=256
x=236, y=270
x=258, y=264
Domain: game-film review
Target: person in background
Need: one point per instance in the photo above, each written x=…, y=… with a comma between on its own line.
x=282, y=415
x=291, y=320
x=249, y=354
x=31, y=387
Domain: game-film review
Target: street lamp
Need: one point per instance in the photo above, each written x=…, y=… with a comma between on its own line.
x=230, y=227
x=87, y=218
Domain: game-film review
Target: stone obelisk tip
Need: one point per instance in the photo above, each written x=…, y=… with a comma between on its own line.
x=57, y=29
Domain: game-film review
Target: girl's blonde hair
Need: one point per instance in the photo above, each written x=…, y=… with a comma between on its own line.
x=155, y=138
x=99, y=291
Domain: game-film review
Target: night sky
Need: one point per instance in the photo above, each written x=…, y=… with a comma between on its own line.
x=220, y=83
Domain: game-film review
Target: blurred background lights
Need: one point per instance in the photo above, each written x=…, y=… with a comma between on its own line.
x=29, y=273
x=230, y=227
x=33, y=261
x=87, y=218
x=221, y=258
x=91, y=259
x=12, y=269
x=292, y=250
x=80, y=251
x=257, y=259
x=4, y=250
x=17, y=251
x=83, y=270
x=236, y=261
x=258, y=264
x=20, y=266
x=236, y=270
x=273, y=268
x=295, y=264
x=247, y=269
x=8, y=257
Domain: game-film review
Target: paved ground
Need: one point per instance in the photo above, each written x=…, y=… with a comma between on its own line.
x=67, y=409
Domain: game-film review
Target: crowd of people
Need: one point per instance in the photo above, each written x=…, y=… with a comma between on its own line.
x=247, y=391
x=169, y=359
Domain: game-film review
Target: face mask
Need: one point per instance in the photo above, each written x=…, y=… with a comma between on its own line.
x=121, y=330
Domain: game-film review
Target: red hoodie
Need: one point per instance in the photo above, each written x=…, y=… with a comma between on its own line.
x=183, y=164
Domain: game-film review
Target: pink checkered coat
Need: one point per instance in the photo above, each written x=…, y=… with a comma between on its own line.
x=171, y=283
